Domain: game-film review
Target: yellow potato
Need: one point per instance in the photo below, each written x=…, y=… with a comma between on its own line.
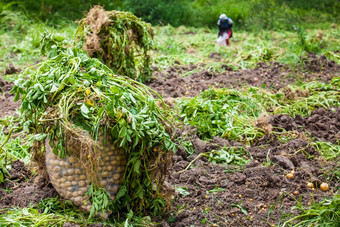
x=324, y=187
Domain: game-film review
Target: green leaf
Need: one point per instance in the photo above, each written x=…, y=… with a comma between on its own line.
x=171, y=219
x=72, y=80
x=114, y=90
x=101, y=111
x=133, y=123
x=55, y=150
x=122, y=191
x=40, y=137
x=182, y=190
x=16, y=97
x=149, y=123
x=92, y=212
x=54, y=88
x=132, y=98
x=84, y=110
x=61, y=149
x=135, y=142
x=241, y=208
x=122, y=121
x=136, y=167
x=122, y=132
x=130, y=215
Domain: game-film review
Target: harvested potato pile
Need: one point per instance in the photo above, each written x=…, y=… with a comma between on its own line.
x=70, y=103
x=70, y=179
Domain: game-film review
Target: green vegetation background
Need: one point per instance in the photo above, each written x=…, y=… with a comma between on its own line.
x=247, y=14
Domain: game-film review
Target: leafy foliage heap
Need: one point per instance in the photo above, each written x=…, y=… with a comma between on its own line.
x=71, y=93
x=293, y=100
x=222, y=112
x=243, y=116
x=119, y=39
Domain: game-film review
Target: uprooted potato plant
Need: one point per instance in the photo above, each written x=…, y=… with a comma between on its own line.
x=119, y=39
x=70, y=93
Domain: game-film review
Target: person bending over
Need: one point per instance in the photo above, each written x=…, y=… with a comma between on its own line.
x=224, y=26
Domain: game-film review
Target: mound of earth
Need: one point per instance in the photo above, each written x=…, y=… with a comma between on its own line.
x=7, y=104
x=315, y=63
x=22, y=189
x=321, y=124
x=10, y=69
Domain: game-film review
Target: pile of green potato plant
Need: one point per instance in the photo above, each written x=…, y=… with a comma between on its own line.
x=298, y=100
x=222, y=112
x=119, y=39
x=229, y=155
x=243, y=115
x=69, y=94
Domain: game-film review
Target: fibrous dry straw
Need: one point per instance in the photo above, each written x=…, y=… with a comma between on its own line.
x=119, y=39
x=263, y=122
x=79, y=144
x=95, y=19
x=294, y=94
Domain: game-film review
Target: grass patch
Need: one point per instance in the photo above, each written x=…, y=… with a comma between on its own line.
x=328, y=150
x=11, y=149
x=194, y=45
x=57, y=212
x=324, y=213
x=49, y=212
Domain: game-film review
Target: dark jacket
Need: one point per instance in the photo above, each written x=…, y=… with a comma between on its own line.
x=224, y=26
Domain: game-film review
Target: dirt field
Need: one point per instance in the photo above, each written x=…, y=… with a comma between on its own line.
x=256, y=187
x=170, y=83
x=220, y=195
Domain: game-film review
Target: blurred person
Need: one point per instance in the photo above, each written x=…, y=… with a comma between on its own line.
x=224, y=26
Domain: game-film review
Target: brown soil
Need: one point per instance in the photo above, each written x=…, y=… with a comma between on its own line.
x=321, y=124
x=314, y=63
x=10, y=69
x=255, y=188
x=7, y=104
x=171, y=83
x=23, y=189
